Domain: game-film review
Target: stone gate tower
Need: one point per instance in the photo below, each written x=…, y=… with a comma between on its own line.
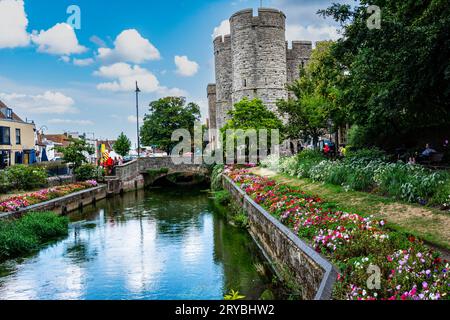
x=254, y=61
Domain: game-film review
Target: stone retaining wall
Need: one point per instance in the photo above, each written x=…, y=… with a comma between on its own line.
x=63, y=205
x=287, y=253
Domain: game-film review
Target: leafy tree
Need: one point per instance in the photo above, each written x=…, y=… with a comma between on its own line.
x=76, y=152
x=317, y=96
x=167, y=115
x=398, y=83
x=252, y=115
x=122, y=145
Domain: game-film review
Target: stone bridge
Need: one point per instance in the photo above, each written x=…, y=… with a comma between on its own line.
x=145, y=171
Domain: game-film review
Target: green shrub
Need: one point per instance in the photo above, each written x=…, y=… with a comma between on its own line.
x=24, y=177
x=86, y=172
x=442, y=195
x=289, y=166
x=306, y=161
x=5, y=186
x=222, y=197
x=339, y=175
x=25, y=235
x=216, y=178
x=241, y=219
x=272, y=162
x=365, y=156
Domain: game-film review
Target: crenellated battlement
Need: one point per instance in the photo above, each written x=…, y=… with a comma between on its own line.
x=299, y=49
x=265, y=18
x=211, y=89
x=222, y=41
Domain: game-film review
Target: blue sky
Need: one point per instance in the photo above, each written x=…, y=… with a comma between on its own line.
x=80, y=80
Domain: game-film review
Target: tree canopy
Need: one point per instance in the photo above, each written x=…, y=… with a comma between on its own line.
x=165, y=116
x=251, y=115
x=122, y=145
x=76, y=152
x=317, y=97
x=398, y=82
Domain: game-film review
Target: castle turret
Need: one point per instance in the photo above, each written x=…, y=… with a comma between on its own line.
x=258, y=49
x=224, y=81
x=254, y=61
x=212, y=122
x=297, y=57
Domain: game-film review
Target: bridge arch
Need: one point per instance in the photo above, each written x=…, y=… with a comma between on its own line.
x=145, y=171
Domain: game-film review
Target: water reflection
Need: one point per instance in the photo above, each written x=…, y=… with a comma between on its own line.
x=158, y=244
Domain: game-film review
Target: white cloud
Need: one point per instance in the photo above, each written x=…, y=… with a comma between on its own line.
x=13, y=24
x=65, y=59
x=75, y=122
x=312, y=33
x=59, y=39
x=130, y=46
x=124, y=78
x=132, y=119
x=222, y=30
x=83, y=62
x=49, y=102
x=185, y=67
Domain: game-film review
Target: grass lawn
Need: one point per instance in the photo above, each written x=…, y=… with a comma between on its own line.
x=429, y=224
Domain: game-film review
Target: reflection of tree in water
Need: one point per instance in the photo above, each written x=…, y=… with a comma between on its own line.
x=176, y=210
x=236, y=251
x=79, y=251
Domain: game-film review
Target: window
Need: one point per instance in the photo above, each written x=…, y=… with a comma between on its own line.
x=5, y=138
x=9, y=113
x=18, y=137
x=5, y=158
x=245, y=83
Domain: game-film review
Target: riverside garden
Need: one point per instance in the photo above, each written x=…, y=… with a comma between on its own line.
x=377, y=206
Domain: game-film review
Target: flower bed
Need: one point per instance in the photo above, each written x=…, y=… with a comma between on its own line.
x=355, y=244
x=18, y=202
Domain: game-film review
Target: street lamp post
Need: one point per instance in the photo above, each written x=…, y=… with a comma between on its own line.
x=137, y=120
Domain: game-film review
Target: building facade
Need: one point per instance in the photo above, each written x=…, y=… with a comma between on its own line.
x=17, y=139
x=254, y=61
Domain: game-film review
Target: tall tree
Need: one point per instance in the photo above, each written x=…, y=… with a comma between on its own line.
x=76, y=152
x=165, y=116
x=123, y=145
x=399, y=75
x=317, y=96
x=252, y=115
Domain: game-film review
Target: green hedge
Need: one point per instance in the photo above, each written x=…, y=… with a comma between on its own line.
x=25, y=235
x=367, y=170
x=22, y=177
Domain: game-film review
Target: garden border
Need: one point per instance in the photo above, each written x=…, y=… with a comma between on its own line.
x=63, y=205
x=320, y=287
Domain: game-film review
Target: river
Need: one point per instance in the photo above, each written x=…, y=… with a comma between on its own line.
x=158, y=244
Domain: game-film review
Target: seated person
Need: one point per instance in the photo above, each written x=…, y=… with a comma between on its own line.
x=428, y=151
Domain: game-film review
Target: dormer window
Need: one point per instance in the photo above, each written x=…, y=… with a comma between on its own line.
x=9, y=113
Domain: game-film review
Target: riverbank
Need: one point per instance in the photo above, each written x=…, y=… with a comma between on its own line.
x=27, y=234
x=61, y=199
x=355, y=243
x=428, y=224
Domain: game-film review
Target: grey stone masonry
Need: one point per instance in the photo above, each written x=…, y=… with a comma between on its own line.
x=254, y=61
x=297, y=56
x=222, y=53
x=291, y=257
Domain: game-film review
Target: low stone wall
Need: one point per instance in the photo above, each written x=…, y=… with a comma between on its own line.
x=61, y=180
x=63, y=205
x=287, y=253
